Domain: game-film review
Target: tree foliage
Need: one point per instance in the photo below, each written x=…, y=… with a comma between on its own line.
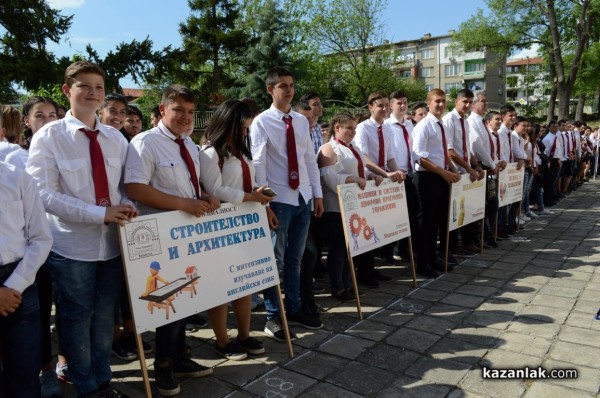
x=24, y=59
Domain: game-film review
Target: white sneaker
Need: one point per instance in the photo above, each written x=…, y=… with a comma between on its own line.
x=525, y=218
x=531, y=215
x=546, y=212
x=521, y=222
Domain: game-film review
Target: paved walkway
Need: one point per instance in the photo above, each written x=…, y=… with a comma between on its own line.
x=531, y=302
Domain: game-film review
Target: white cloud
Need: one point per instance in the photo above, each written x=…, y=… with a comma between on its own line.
x=63, y=4
x=85, y=40
x=528, y=52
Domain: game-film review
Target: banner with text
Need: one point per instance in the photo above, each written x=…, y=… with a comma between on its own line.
x=375, y=216
x=510, y=185
x=177, y=264
x=467, y=202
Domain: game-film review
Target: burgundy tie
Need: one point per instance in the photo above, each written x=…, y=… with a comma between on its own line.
x=462, y=125
x=293, y=175
x=498, y=144
x=361, y=167
x=245, y=174
x=407, y=141
x=190, y=165
x=490, y=138
x=553, y=148
x=445, y=148
x=381, y=147
x=510, y=156
x=98, y=169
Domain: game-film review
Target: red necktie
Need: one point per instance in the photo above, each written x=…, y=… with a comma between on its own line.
x=490, y=138
x=407, y=141
x=573, y=140
x=190, y=165
x=498, y=144
x=98, y=169
x=245, y=174
x=293, y=175
x=464, y=137
x=381, y=147
x=510, y=156
x=445, y=148
x=553, y=148
x=361, y=167
x=562, y=136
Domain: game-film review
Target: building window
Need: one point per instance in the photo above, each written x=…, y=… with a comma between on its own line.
x=427, y=53
x=449, y=86
x=475, y=67
x=429, y=87
x=405, y=73
x=427, y=72
x=453, y=70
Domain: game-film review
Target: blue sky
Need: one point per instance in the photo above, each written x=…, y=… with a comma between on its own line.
x=106, y=23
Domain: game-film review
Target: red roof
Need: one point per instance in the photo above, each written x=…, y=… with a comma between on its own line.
x=525, y=61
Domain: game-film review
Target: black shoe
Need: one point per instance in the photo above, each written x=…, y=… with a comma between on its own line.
x=165, y=381
x=427, y=271
x=305, y=320
x=451, y=260
x=390, y=260
x=195, y=322
x=378, y=276
x=251, y=346
x=491, y=243
x=188, y=368
x=344, y=295
x=368, y=281
x=440, y=265
x=231, y=351
x=121, y=350
x=463, y=252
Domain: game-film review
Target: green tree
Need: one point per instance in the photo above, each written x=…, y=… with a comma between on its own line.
x=560, y=27
x=136, y=59
x=268, y=50
x=211, y=40
x=24, y=60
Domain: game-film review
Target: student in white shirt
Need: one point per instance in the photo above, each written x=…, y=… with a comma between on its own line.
x=225, y=176
x=85, y=261
x=158, y=177
x=434, y=174
x=553, y=150
x=284, y=159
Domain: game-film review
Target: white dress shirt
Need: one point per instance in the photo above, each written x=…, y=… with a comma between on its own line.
x=399, y=148
x=154, y=159
x=269, y=155
x=367, y=140
x=533, y=152
x=346, y=165
x=548, y=141
x=479, y=137
x=226, y=182
x=518, y=146
x=506, y=144
x=6, y=148
x=454, y=136
x=59, y=161
x=18, y=158
x=26, y=234
x=427, y=142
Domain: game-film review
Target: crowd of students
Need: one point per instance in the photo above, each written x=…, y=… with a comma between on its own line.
x=76, y=175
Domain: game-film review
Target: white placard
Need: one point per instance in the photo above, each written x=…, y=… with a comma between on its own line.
x=467, y=202
x=375, y=216
x=510, y=185
x=206, y=261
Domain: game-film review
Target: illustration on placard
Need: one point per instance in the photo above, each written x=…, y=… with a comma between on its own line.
x=164, y=296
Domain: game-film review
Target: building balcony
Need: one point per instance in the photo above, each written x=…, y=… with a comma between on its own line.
x=480, y=74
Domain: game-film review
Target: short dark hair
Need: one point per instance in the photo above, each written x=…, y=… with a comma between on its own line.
x=134, y=110
x=490, y=115
x=274, y=74
x=308, y=96
x=562, y=121
x=416, y=106
x=552, y=123
x=114, y=97
x=506, y=108
x=155, y=111
x=398, y=94
x=174, y=91
x=465, y=92
x=302, y=106
x=521, y=119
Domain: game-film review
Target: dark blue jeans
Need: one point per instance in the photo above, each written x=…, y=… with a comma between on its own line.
x=289, y=243
x=86, y=298
x=21, y=340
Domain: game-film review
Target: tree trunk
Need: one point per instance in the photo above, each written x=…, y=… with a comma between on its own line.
x=564, y=97
x=580, y=105
x=551, y=104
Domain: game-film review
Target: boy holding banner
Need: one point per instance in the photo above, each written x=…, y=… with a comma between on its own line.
x=434, y=174
x=162, y=172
